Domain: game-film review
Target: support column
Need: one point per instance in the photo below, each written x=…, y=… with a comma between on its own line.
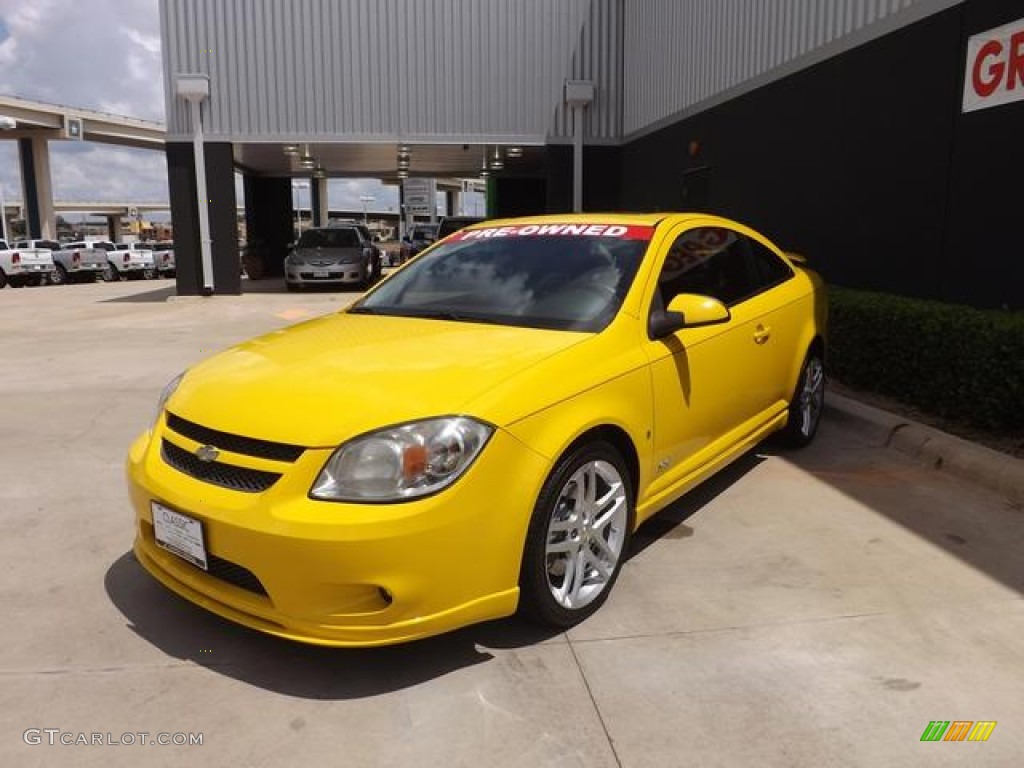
x=114, y=227
x=320, y=212
x=37, y=189
x=220, y=185
x=269, y=219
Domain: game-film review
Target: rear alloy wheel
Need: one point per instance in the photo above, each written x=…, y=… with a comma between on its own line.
x=807, y=403
x=577, y=537
x=59, y=276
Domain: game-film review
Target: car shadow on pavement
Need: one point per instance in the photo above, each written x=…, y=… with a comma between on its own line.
x=187, y=632
x=670, y=522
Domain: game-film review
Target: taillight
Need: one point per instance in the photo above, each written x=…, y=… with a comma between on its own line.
x=77, y=257
x=127, y=258
x=15, y=258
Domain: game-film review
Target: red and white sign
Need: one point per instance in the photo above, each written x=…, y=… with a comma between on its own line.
x=995, y=67
x=616, y=231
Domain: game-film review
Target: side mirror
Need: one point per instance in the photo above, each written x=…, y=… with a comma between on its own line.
x=687, y=310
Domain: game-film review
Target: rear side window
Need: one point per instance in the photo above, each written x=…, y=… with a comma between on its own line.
x=769, y=269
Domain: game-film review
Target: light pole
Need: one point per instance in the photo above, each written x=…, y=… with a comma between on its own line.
x=298, y=185
x=3, y=215
x=194, y=88
x=364, y=199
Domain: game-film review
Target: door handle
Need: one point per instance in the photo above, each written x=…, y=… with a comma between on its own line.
x=762, y=334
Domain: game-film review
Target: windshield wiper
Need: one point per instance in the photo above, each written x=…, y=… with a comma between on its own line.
x=455, y=316
x=362, y=311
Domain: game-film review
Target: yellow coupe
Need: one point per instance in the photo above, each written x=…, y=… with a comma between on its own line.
x=481, y=432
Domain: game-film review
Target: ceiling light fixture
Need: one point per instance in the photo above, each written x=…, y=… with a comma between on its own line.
x=403, y=174
x=497, y=163
x=513, y=151
x=290, y=149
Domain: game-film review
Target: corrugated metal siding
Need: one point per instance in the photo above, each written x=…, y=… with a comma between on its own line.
x=415, y=69
x=680, y=53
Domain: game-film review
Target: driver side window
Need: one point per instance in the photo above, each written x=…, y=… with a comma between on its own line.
x=710, y=261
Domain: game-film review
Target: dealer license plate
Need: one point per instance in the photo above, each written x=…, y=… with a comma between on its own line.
x=179, y=534
x=321, y=273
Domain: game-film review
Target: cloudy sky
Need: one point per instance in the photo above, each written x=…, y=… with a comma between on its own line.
x=105, y=55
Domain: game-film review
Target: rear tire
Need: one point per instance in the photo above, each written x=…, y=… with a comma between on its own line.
x=3, y=278
x=578, y=536
x=807, y=403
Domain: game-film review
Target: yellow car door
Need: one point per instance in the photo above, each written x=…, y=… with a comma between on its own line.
x=704, y=379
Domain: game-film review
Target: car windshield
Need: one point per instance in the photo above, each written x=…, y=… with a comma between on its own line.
x=562, y=282
x=449, y=225
x=424, y=233
x=328, y=238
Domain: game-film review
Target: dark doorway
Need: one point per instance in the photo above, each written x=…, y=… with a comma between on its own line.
x=696, y=189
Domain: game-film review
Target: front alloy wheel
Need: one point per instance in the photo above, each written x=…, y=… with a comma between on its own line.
x=578, y=536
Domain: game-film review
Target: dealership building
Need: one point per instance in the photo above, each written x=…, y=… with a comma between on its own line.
x=880, y=138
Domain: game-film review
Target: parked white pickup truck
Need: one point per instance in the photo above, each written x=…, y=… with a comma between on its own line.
x=127, y=260
x=76, y=261
x=24, y=266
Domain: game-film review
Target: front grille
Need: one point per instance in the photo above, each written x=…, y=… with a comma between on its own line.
x=234, y=574
x=217, y=473
x=250, y=446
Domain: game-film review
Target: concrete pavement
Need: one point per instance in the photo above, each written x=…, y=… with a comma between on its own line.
x=808, y=609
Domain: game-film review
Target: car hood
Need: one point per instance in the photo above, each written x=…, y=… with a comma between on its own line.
x=323, y=381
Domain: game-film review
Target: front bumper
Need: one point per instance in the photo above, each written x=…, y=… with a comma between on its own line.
x=344, y=574
x=341, y=274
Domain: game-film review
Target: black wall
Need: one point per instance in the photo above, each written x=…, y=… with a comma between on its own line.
x=864, y=163
x=220, y=188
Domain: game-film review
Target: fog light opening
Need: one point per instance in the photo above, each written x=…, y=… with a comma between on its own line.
x=385, y=595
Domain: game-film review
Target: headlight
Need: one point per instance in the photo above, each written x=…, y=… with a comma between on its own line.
x=166, y=395
x=403, y=462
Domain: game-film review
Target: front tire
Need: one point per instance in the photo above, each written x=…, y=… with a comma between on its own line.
x=806, y=405
x=110, y=274
x=578, y=536
x=59, y=276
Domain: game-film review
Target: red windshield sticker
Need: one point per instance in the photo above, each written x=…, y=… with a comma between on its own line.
x=618, y=231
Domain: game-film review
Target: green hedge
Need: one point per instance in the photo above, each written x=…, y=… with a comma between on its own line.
x=951, y=361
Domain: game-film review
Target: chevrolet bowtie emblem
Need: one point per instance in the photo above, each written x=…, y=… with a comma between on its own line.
x=207, y=453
